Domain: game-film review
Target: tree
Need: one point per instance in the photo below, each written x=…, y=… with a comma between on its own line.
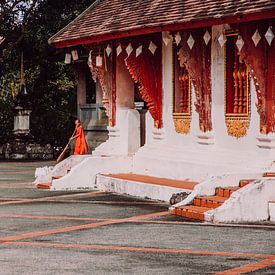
x=27, y=26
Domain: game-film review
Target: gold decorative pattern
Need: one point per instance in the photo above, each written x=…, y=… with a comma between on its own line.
x=238, y=120
x=237, y=127
x=182, y=118
x=182, y=124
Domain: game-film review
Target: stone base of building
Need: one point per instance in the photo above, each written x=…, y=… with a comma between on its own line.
x=24, y=150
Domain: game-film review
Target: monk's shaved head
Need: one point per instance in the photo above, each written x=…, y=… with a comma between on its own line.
x=77, y=122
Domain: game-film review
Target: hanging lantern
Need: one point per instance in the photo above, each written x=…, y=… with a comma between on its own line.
x=74, y=55
x=99, y=60
x=68, y=58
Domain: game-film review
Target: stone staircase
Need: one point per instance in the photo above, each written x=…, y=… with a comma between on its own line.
x=202, y=204
x=44, y=176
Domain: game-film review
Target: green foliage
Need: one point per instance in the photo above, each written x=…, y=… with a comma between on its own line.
x=50, y=84
x=6, y=113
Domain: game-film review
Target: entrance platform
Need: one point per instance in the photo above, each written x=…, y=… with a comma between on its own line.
x=143, y=186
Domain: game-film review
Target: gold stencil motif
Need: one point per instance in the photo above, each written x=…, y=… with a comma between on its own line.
x=237, y=127
x=182, y=125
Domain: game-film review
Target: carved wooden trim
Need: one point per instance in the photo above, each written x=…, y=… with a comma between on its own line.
x=262, y=69
x=198, y=63
x=105, y=77
x=147, y=66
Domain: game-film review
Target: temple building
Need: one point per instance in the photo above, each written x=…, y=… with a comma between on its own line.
x=188, y=89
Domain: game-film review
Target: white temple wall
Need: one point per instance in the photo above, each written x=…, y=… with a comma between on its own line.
x=171, y=136
x=222, y=139
x=181, y=156
x=124, y=137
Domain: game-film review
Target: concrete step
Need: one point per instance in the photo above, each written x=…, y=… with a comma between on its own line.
x=143, y=186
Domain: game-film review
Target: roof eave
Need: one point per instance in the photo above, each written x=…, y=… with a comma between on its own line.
x=234, y=19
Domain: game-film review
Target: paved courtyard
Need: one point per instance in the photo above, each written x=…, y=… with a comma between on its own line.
x=44, y=232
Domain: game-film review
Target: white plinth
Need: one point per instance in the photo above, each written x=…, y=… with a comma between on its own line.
x=124, y=138
x=22, y=121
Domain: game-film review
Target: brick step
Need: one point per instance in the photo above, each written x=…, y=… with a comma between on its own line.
x=56, y=177
x=202, y=204
x=44, y=185
x=226, y=191
x=209, y=201
x=269, y=174
x=191, y=212
x=244, y=182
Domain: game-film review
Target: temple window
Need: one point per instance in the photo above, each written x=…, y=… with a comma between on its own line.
x=181, y=96
x=237, y=89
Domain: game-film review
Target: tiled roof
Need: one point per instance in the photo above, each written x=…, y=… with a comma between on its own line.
x=109, y=19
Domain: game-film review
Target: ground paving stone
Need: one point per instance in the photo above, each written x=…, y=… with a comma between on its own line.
x=239, y=240
x=120, y=248
x=79, y=209
x=83, y=261
x=16, y=226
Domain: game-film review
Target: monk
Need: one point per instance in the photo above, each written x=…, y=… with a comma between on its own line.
x=81, y=146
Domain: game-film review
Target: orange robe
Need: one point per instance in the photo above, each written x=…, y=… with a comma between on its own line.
x=81, y=146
